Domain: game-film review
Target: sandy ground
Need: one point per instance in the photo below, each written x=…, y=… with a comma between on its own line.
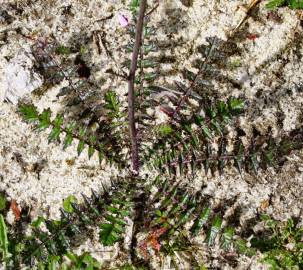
x=269, y=71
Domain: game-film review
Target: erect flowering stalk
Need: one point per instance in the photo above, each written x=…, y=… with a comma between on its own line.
x=131, y=89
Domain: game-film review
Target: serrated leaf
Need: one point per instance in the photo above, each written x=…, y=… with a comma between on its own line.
x=67, y=203
x=216, y=127
x=53, y=262
x=240, y=246
x=70, y=127
x=164, y=130
x=58, y=121
x=180, y=163
x=170, y=197
x=44, y=119
x=235, y=105
x=133, y=6
x=158, y=213
x=29, y=112
x=222, y=108
x=112, y=209
x=90, y=151
x=222, y=152
x=80, y=147
x=67, y=140
x=112, y=104
x=184, y=217
x=295, y=4
x=65, y=91
x=214, y=230
x=54, y=135
x=206, y=132
x=37, y=222
x=81, y=132
x=61, y=49
x=109, y=234
x=274, y=4
x=177, y=206
x=226, y=238
x=200, y=221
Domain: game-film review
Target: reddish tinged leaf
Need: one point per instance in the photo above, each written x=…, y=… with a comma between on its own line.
x=157, y=233
x=15, y=209
x=143, y=248
x=251, y=37
x=155, y=244
x=152, y=241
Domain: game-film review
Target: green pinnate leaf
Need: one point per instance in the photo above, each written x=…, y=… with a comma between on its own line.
x=80, y=147
x=67, y=140
x=61, y=49
x=216, y=126
x=110, y=233
x=275, y=3
x=222, y=108
x=226, y=238
x=37, y=222
x=235, y=105
x=29, y=112
x=242, y=248
x=81, y=143
x=91, y=147
x=183, y=218
x=214, y=230
x=200, y=221
x=133, y=6
x=164, y=130
x=44, y=119
x=295, y=4
x=168, y=200
x=111, y=104
x=206, y=132
x=211, y=112
x=67, y=203
x=178, y=206
x=81, y=132
x=53, y=262
x=54, y=135
x=70, y=127
x=58, y=121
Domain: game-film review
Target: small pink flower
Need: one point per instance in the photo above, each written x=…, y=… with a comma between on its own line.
x=123, y=21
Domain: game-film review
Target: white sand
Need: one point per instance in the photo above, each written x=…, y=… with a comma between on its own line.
x=267, y=64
